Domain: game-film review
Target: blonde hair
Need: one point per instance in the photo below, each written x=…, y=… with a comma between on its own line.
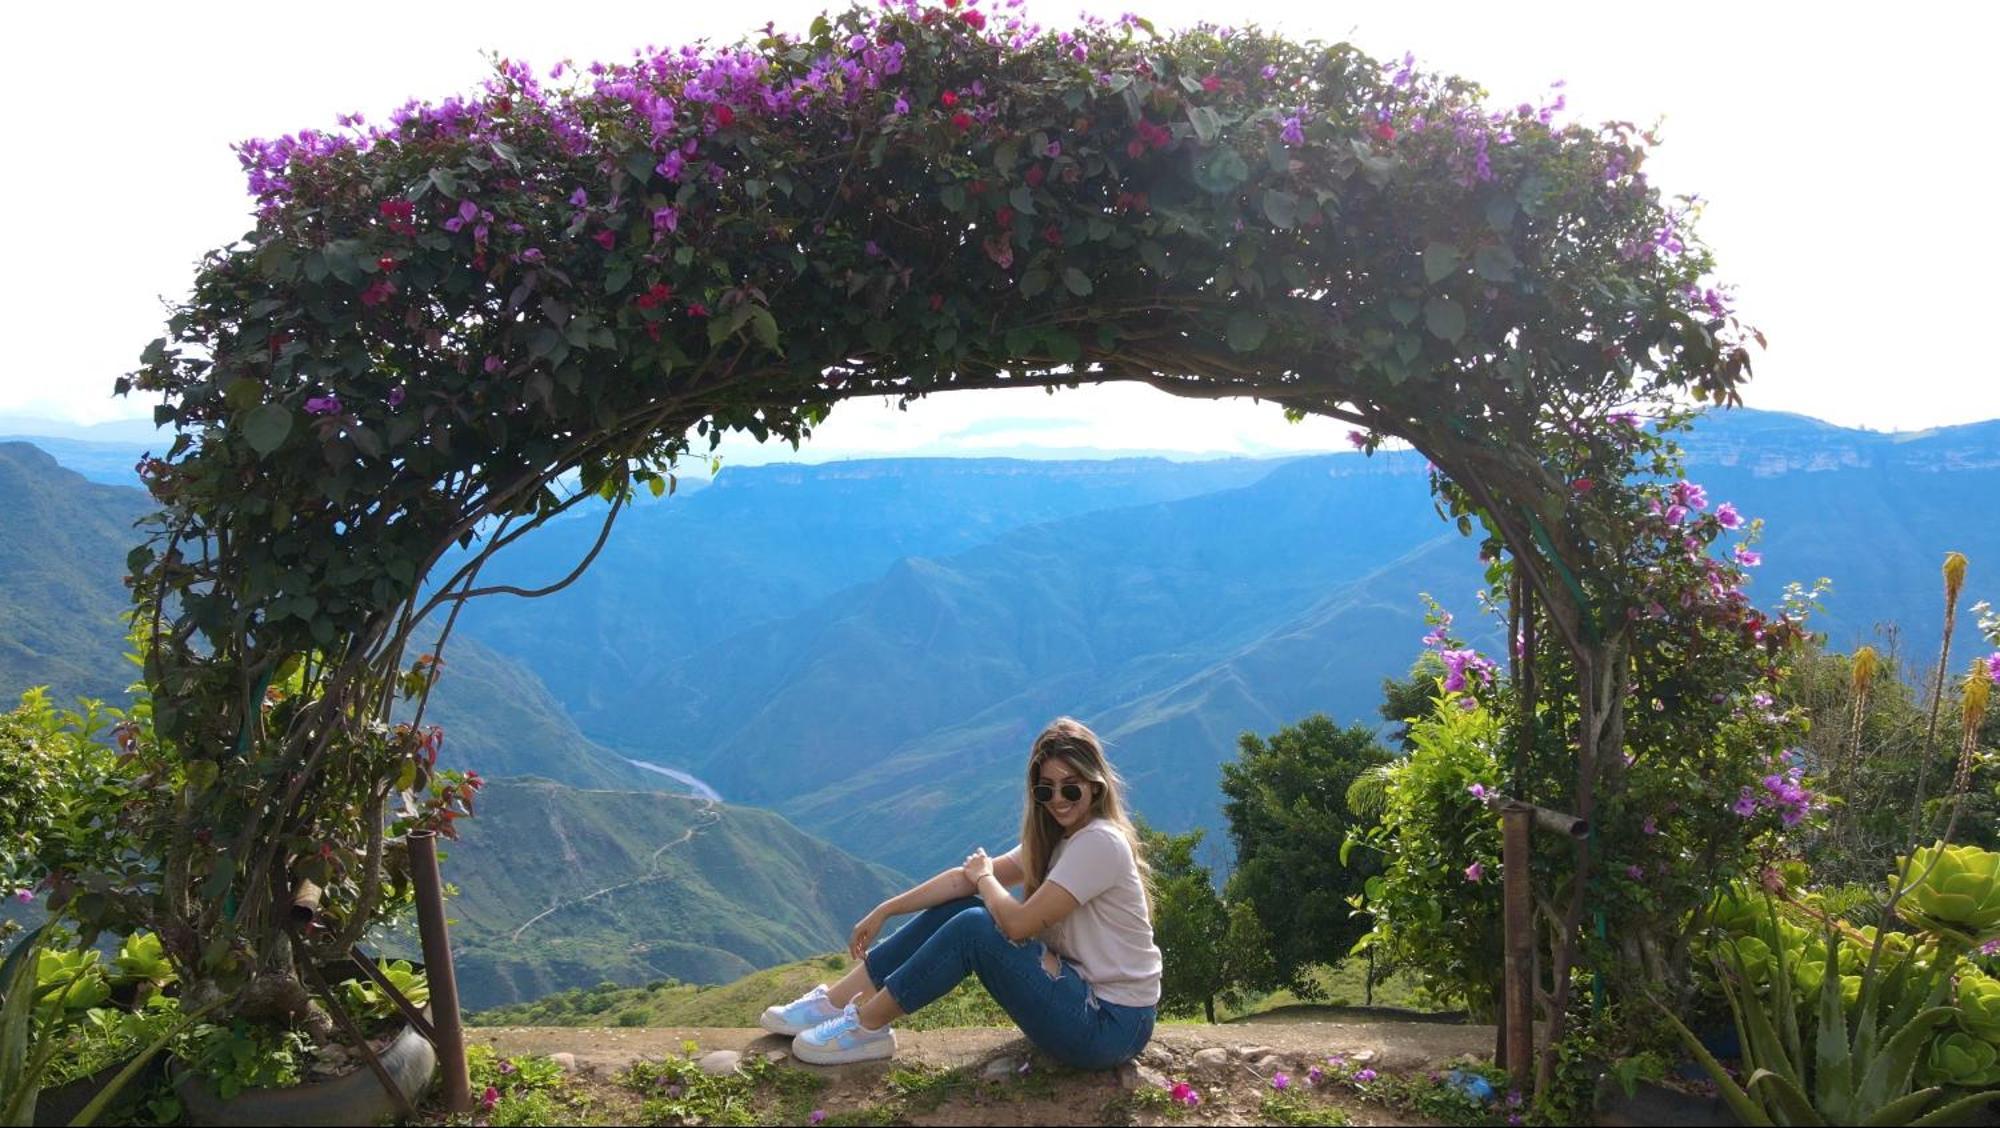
x=1073, y=742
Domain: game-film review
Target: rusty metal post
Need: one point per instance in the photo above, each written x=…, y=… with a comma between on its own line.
x=1518, y=939
x=438, y=973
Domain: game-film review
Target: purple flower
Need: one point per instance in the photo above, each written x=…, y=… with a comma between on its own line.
x=1053, y=150
x=818, y=1115
x=493, y=364
x=1280, y=1082
x=323, y=405
x=1313, y=1075
x=1636, y=873
x=1746, y=804
x=1475, y=871
x=1269, y=72
x=902, y=107
x=26, y=895
x=1357, y=440
x=531, y=255
x=1650, y=826
x=1990, y=948
x=396, y=398
x=1727, y=516
x=1747, y=558
x=873, y=249
x=579, y=198
x=1365, y=1075
x=1477, y=791
x=505, y=1067
x=1292, y=133
x=666, y=219
x=1993, y=666
x=1690, y=495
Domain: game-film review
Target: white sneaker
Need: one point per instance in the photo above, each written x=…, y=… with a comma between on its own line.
x=841, y=1039
x=799, y=1015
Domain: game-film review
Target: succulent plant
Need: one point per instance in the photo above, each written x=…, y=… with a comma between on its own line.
x=1957, y=887
x=1964, y=1061
x=1979, y=1005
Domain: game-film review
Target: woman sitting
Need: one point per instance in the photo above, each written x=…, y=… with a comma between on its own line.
x=1073, y=962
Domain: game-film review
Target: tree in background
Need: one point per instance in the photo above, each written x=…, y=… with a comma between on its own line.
x=1210, y=948
x=1286, y=801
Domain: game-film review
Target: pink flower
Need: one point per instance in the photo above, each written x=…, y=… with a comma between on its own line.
x=1185, y=1094
x=26, y=895
x=1477, y=791
x=489, y=1098
x=1475, y=871
x=818, y=1115
x=1747, y=558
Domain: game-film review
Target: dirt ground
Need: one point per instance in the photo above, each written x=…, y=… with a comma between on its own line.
x=988, y=1076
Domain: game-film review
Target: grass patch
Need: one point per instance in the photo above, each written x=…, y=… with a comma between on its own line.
x=676, y=1091
x=1295, y=1108
x=923, y=1089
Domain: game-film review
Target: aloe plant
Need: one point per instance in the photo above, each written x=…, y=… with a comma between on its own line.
x=28, y=1047
x=1866, y=1073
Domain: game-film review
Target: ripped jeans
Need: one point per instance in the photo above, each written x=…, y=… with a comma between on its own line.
x=1059, y=1013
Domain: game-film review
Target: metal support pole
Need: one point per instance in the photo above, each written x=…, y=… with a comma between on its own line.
x=438, y=973
x=1517, y=911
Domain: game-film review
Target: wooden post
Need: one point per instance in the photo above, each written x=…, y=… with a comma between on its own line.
x=443, y=982
x=1518, y=916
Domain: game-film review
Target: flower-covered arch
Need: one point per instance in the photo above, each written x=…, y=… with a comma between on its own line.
x=572, y=276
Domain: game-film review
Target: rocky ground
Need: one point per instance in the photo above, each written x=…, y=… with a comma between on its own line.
x=986, y=1076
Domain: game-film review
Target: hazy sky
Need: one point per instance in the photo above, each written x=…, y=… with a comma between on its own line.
x=1838, y=158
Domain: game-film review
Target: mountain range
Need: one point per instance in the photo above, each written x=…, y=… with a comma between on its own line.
x=867, y=648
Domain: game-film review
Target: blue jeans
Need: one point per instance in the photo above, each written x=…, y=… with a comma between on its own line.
x=1060, y=1014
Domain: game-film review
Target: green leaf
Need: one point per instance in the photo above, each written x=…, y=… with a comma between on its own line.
x=1222, y=172
x=1747, y=1110
x=1786, y=1094
x=764, y=328
x=1246, y=331
x=1034, y=282
x=1441, y=260
x=1063, y=348
x=1959, y=1111
x=1900, y=1111
x=1022, y=199
x=444, y=182
x=1206, y=123
x=616, y=274
x=1077, y=281
x=1404, y=310
x=1495, y=264
x=952, y=196
x=1408, y=346
x=1445, y=318
x=265, y=427
x=1155, y=257
x=639, y=164
x=1281, y=208
x=945, y=337
x=1500, y=213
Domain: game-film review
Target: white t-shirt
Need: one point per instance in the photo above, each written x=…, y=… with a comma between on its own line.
x=1109, y=938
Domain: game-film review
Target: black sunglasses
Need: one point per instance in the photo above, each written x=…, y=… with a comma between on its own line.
x=1046, y=793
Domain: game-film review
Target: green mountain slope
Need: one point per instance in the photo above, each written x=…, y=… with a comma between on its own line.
x=563, y=888
x=63, y=542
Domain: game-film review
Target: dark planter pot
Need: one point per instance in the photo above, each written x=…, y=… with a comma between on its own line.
x=356, y=1098
x=1653, y=1103
x=59, y=1105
